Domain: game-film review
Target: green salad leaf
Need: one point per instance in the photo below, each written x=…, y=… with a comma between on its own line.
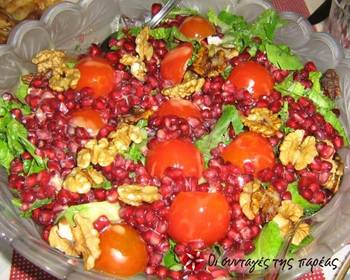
x=183, y=11
x=170, y=259
x=35, y=205
x=230, y=116
x=281, y=56
x=309, y=208
x=13, y=136
x=31, y=167
x=266, y=25
x=293, y=249
x=107, y=185
x=91, y=211
x=268, y=243
x=136, y=150
x=22, y=91
x=323, y=103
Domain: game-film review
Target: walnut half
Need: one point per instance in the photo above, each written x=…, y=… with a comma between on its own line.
x=81, y=239
x=136, y=194
x=249, y=199
x=298, y=151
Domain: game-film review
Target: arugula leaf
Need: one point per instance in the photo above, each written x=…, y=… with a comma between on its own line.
x=268, y=243
x=35, y=205
x=281, y=56
x=295, y=248
x=229, y=116
x=309, y=208
x=170, y=259
x=22, y=91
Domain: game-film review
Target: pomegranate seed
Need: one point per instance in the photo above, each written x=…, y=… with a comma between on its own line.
x=101, y=223
x=156, y=7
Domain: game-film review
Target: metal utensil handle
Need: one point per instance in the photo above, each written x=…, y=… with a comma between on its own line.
x=162, y=13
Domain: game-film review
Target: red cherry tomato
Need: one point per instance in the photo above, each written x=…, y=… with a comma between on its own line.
x=196, y=27
x=89, y=119
x=174, y=63
x=123, y=251
x=250, y=147
x=253, y=77
x=199, y=216
x=180, y=108
x=96, y=73
x=174, y=153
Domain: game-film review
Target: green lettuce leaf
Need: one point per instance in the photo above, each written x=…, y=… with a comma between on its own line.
x=35, y=205
x=268, y=243
x=22, y=91
x=309, y=208
x=266, y=25
x=107, y=185
x=14, y=135
x=230, y=116
x=323, y=103
x=92, y=211
x=295, y=248
x=330, y=117
x=281, y=56
x=6, y=155
x=32, y=167
x=170, y=259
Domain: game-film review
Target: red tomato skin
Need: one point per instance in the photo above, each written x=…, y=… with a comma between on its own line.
x=253, y=77
x=250, y=147
x=89, y=119
x=196, y=27
x=177, y=153
x=96, y=73
x=195, y=216
x=174, y=64
x=179, y=107
x=123, y=251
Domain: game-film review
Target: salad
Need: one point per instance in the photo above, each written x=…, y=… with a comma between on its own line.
x=171, y=151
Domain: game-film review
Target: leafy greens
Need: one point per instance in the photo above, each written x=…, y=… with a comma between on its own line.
x=230, y=116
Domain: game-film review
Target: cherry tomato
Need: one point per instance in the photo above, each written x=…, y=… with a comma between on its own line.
x=123, y=251
x=250, y=147
x=179, y=107
x=96, y=73
x=253, y=77
x=89, y=119
x=177, y=153
x=174, y=63
x=196, y=27
x=199, y=216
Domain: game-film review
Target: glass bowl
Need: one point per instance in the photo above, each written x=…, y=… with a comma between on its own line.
x=73, y=26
